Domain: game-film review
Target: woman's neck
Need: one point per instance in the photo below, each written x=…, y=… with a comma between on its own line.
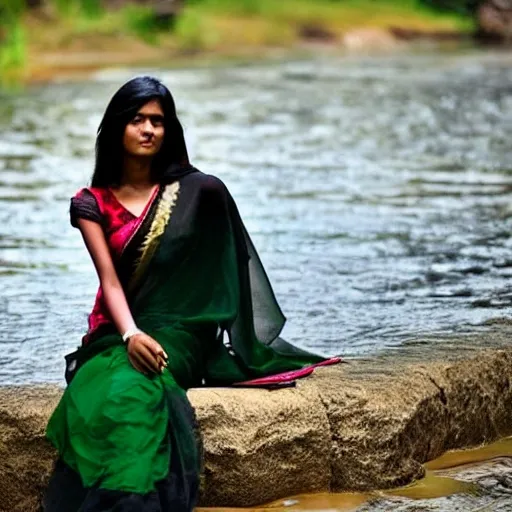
x=137, y=173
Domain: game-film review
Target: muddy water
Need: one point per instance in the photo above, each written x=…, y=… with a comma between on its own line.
x=475, y=480
x=377, y=191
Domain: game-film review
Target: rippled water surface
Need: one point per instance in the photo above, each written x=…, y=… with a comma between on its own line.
x=377, y=191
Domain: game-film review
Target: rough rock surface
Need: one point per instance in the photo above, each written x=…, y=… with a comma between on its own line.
x=355, y=427
x=25, y=457
x=495, y=19
x=258, y=442
x=385, y=427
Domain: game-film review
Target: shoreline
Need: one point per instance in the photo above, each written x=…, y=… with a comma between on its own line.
x=361, y=42
x=353, y=427
x=73, y=66
x=57, y=45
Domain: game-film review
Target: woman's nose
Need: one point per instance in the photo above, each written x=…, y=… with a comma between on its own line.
x=147, y=127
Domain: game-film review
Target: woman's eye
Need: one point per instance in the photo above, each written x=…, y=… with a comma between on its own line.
x=136, y=119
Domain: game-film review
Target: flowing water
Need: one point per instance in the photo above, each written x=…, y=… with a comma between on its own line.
x=377, y=191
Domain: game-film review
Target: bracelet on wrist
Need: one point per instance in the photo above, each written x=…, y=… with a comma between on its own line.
x=131, y=332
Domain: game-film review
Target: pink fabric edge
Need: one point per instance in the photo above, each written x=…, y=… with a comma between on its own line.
x=284, y=377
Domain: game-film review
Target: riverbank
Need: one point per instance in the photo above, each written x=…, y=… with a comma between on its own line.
x=49, y=43
x=361, y=426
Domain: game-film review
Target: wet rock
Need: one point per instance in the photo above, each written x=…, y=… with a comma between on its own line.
x=492, y=492
x=349, y=427
x=495, y=20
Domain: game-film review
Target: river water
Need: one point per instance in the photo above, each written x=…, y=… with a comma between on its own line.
x=377, y=191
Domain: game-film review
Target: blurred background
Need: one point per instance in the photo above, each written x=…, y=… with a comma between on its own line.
x=38, y=37
x=366, y=142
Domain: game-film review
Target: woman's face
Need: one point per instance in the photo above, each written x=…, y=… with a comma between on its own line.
x=144, y=134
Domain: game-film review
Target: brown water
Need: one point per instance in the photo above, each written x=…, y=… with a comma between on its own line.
x=462, y=483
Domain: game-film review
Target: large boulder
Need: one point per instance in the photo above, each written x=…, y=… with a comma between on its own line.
x=361, y=426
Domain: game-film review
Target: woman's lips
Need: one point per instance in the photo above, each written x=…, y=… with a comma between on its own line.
x=146, y=143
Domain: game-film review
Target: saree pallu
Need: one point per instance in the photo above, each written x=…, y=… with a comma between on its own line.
x=194, y=282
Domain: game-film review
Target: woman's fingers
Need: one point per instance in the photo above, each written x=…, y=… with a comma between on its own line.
x=157, y=349
x=162, y=363
x=136, y=364
x=142, y=363
x=140, y=359
x=146, y=354
x=149, y=359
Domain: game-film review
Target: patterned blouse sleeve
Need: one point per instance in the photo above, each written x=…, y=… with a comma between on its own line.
x=84, y=206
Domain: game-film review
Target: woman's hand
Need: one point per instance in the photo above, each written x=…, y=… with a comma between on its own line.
x=146, y=355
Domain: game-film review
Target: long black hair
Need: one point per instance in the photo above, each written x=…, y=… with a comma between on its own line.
x=120, y=111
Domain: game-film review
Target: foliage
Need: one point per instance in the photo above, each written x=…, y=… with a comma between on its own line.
x=12, y=51
x=89, y=8
x=345, y=13
x=460, y=6
x=192, y=33
x=213, y=25
x=12, y=40
x=140, y=21
x=236, y=7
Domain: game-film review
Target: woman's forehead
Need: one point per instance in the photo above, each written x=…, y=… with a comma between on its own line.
x=151, y=108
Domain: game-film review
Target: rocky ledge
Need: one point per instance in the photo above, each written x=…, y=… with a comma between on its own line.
x=340, y=429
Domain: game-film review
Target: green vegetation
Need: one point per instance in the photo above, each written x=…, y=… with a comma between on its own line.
x=140, y=21
x=460, y=6
x=270, y=22
x=87, y=8
x=289, y=10
x=191, y=32
x=225, y=27
x=12, y=41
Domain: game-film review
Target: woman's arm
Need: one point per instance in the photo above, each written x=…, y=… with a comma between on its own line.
x=144, y=352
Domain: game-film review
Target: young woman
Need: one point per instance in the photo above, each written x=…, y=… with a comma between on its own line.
x=183, y=301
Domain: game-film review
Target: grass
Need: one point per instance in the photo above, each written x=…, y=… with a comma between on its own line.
x=271, y=22
x=13, y=54
x=222, y=27
x=12, y=41
x=343, y=14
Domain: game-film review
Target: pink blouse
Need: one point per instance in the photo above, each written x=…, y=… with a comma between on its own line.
x=119, y=225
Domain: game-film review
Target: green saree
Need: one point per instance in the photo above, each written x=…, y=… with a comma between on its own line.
x=195, y=283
